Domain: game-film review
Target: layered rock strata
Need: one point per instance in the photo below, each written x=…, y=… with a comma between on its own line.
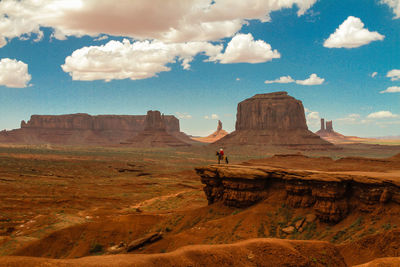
x=274, y=119
x=331, y=195
x=155, y=133
x=82, y=128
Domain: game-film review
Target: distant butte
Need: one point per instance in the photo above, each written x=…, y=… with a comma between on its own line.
x=272, y=119
x=155, y=133
x=215, y=136
x=85, y=129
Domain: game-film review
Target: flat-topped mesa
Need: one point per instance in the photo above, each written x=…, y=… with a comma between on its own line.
x=275, y=111
x=83, y=121
x=274, y=119
x=81, y=129
x=331, y=195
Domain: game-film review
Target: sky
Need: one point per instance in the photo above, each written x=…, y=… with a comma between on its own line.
x=198, y=59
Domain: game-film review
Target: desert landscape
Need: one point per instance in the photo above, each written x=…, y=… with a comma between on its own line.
x=199, y=133
x=286, y=198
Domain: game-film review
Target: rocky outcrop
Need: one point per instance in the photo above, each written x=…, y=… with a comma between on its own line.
x=155, y=133
x=273, y=119
x=327, y=131
x=82, y=128
x=331, y=195
x=215, y=136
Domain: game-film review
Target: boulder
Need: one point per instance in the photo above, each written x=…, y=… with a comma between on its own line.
x=288, y=230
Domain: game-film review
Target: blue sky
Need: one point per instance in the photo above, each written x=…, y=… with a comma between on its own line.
x=212, y=59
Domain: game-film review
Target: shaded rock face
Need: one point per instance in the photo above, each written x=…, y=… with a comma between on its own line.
x=81, y=129
x=273, y=119
x=155, y=121
x=155, y=133
x=331, y=195
x=219, y=127
x=274, y=111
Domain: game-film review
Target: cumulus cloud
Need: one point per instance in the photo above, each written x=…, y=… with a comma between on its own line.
x=373, y=75
x=381, y=115
x=14, y=73
x=313, y=118
x=395, y=5
x=283, y=79
x=183, y=115
x=167, y=21
x=211, y=117
x=312, y=80
x=243, y=49
x=391, y=89
x=137, y=60
x=350, y=34
x=394, y=75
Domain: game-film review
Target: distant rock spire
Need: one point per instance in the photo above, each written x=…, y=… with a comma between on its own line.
x=219, y=128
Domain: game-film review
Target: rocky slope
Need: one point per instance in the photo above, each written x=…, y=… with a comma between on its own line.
x=273, y=119
x=332, y=195
x=215, y=136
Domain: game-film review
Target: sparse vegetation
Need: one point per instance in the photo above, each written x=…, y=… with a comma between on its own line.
x=96, y=249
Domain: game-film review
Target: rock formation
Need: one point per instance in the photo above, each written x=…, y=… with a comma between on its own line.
x=155, y=133
x=215, y=136
x=331, y=195
x=81, y=129
x=327, y=131
x=274, y=119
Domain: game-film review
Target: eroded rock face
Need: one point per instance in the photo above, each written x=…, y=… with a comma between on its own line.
x=274, y=111
x=331, y=195
x=82, y=128
x=275, y=119
x=155, y=133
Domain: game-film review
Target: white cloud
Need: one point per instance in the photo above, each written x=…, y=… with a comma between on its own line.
x=137, y=60
x=312, y=80
x=101, y=38
x=237, y=79
x=350, y=34
x=350, y=118
x=391, y=89
x=211, y=117
x=283, y=79
x=381, y=115
x=313, y=118
x=373, y=75
x=167, y=21
x=14, y=73
x=395, y=5
x=394, y=75
x=243, y=49
x=183, y=115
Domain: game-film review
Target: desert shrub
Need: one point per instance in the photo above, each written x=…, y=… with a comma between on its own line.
x=96, y=249
x=261, y=230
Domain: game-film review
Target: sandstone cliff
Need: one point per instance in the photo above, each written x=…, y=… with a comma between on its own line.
x=155, y=133
x=332, y=195
x=215, y=136
x=273, y=119
x=82, y=129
